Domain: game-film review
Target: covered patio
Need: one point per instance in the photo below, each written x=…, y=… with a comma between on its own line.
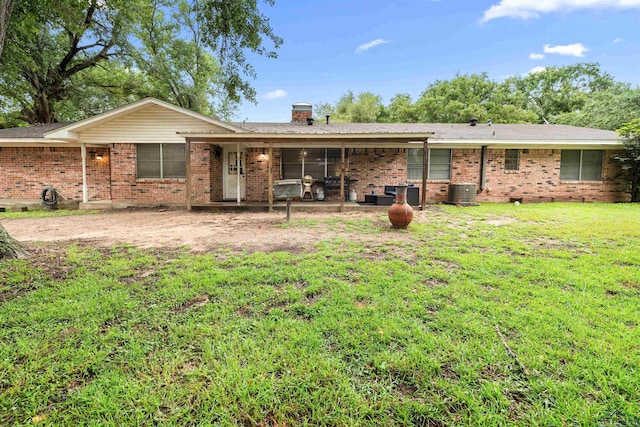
x=269, y=138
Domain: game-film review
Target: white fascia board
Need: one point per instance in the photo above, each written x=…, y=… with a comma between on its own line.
x=301, y=136
x=40, y=142
x=62, y=134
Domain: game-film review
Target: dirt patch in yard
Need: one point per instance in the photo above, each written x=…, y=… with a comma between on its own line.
x=201, y=231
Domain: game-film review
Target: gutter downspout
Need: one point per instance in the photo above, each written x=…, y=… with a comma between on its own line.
x=483, y=167
x=85, y=191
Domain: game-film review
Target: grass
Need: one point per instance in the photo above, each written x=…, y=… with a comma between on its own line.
x=45, y=213
x=349, y=333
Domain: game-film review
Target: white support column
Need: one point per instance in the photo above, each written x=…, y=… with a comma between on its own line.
x=85, y=191
x=270, y=164
x=187, y=181
x=238, y=195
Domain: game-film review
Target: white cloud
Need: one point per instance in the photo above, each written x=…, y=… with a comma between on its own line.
x=618, y=40
x=536, y=56
x=528, y=9
x=373, y=43
x=278, y=93
x=576, y=49
x=536, y=70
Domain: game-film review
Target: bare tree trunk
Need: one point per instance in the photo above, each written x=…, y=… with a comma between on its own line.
x=6, y=6
x=9, y=248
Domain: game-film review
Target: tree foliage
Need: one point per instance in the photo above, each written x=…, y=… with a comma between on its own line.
x=609, y=109
x=366, y=107
x=63, y=58
x=581, y=95
x=629, y=158
x=466, y=96
x=558, y=90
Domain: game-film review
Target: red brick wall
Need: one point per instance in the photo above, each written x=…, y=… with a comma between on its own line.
x=26, y=171
x=538, y=179
x=258, y=173
x=301, y=115
x=126, y=187
x=373, y=168
x=215, y=174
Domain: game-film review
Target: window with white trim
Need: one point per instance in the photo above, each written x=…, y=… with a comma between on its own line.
x=581, y=165
x=439, y=167
x=163, y=161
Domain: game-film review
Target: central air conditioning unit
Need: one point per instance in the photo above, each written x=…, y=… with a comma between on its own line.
x=463, y=194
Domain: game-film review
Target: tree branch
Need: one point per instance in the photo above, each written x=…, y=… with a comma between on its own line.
x=511, y=353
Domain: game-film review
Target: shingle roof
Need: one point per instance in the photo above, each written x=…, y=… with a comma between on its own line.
x=444, y=131
x=33, y=131
x=440, y=130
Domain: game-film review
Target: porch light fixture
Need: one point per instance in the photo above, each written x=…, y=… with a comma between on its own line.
x=98, y=156
x=263, y=155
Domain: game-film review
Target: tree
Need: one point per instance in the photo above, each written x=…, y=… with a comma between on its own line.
x=401, y=109
x=9, y=248
x=57, y=44
x=174, y=63
x=466, y=96
x=322, y=110
x=558, y=90
x=609, y=109
x=6, y=7
x=366, y=107
x=629, y=158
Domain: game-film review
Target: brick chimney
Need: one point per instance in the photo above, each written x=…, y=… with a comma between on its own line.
x=301, y=112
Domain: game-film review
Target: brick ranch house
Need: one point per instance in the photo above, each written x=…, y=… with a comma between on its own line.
x=153, y=152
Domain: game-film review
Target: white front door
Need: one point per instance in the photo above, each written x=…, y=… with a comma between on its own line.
x=234, y=174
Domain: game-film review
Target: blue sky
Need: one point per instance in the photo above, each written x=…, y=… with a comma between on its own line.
x=401, y=46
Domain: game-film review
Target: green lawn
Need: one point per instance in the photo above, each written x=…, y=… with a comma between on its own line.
x=348, y=333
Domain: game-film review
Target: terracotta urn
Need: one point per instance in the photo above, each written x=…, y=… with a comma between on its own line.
x=400, y=213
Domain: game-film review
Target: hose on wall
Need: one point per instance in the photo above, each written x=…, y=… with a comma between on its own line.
x=49, y=197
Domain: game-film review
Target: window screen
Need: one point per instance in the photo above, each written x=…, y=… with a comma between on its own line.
x=581, y=165
x=439, y=163
x=317, y=162
x=511, y=160
x=161, y=161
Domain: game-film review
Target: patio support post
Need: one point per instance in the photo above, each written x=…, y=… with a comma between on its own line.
x=85, y=191
x=342, y=172
x=187, y=171
x=425, y=165
x=270, y=169
x=238, y=198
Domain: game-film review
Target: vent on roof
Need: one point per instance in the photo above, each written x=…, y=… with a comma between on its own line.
x=473, y=121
